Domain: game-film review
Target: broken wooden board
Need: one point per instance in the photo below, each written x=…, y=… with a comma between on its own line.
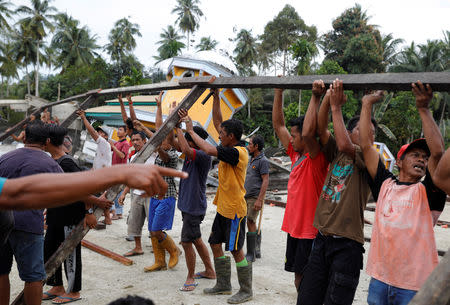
x=439, y=81
x=105, y=252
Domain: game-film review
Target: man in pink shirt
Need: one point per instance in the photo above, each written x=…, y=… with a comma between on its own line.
x=403, y=249
x=120, y=152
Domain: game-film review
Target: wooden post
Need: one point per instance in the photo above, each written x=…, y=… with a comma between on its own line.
x=105, y=252
x=436, y=290
x=79, y=231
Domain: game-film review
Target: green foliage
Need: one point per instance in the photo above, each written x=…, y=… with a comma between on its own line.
x=122, y=68
x=330, y=67
x=245, y=52
x=76, y=80
x=353, y=43
x=121, y=39
x=170, y=46
x=304, y=51
x=188, y=16
x=136, y=78
x=207, y=43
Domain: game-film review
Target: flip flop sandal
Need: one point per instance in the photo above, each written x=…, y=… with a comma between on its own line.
x=187, y=287
x=48, y=296
x=69, y=300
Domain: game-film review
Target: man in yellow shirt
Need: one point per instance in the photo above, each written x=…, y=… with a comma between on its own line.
x=229, y=223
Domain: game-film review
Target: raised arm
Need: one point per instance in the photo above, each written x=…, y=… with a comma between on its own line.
x=130, y=106
x=202, y=144
x=322, y=119
x=159, y=119
x=52, y=190
x=441, y=177
x=122, y=109
x=337, y=100
x=141, y=127
x=121, y=154
x=88, y=126
x=278, y=122
x=430, y=129
x=310, y=123
x=366, y=132
x=216, y=112
x=183, y=144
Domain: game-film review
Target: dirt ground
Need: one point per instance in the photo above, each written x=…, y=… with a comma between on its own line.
x=105, y=280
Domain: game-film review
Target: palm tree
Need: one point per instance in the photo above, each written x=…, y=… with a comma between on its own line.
x=188, y=16
x=8, y=67
x=170, y=44
x=24, y=48
x=245, y=51
x=36, y=23
x=5, y=12
x=390, y=45
x=206, y=43
x=73, y=45
x=121, y=39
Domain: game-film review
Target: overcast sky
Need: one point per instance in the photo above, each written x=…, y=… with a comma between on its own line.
x=411, y=20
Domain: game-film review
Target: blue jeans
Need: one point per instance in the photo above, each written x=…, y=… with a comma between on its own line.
x=383, y=294
x=117, y=207
x=28, y=250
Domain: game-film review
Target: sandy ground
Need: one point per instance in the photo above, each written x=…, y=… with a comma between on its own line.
x=105, y=280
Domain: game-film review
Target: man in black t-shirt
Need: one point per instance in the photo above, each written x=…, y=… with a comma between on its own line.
x=61, y=221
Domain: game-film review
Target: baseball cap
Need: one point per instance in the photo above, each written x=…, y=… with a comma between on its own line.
x=418, y=143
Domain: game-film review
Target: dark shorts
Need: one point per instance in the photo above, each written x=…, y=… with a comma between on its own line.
x=297, y=254
x=191, y=227
x=228, y=231
x=28, y=250
x=332, y=273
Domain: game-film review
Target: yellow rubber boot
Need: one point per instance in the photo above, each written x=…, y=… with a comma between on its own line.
x=160, y=257
x=173, y=250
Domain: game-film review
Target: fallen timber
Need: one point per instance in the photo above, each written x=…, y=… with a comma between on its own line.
x=105, y=252
x=439, y=81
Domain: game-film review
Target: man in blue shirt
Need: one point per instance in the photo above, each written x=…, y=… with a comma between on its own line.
x=26, y=240
x=192, y=204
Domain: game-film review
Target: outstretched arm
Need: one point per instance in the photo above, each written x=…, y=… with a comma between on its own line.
x=88, y=126
x=371, y=157
x=322, y=119
x=122, y=109
x=430, y=129
x=141, y=127
x=310, y=123
x=52, y=190
x=337, y=100
x=278, y=122
x=441, y=177
x=216, y=112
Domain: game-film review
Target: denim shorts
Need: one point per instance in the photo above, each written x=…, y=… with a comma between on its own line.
x=28, y=250
x=161, y=214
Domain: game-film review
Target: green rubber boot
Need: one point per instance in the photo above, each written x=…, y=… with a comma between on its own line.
x=223, y=275
x=245, y=293
x=251, y=243
x=258, y=246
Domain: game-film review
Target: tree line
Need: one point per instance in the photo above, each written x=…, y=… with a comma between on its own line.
x=38, y=35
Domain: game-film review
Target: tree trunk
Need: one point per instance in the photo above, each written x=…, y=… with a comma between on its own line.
x=248, y=106
x=300, y=102
x=284, y=63
x=28, y=80
x=188, y=41
x=37, y=71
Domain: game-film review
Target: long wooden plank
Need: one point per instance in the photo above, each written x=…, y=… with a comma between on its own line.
x=105, y=252
x=436, y=289
x=38, y=111
x=79, y=231
x=439, y=81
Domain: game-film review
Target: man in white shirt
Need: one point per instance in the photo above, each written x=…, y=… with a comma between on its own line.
x=103, y=155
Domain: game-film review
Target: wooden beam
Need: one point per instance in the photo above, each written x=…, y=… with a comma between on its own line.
x=39, y=110
x=436, y=289
x=73, y=116
x=439, y=81
x=105, y=252
x=79, y=231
